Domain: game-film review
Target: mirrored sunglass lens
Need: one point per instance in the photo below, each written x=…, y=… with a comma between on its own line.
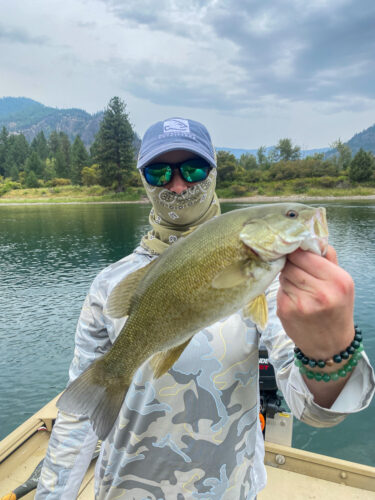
x=194, y=173
x=158, y=176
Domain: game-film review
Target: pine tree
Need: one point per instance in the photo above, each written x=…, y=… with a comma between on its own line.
x=19, y=150
x=53, y=143
x=113, y=146
x=80, y=159
x=362, y=166
x=3, y=150
x=65, y=150
x=35, y=164
x=39, y=145
x=31, y=180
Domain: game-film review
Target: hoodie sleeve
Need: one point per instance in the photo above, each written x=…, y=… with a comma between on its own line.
x=355, y=396
x=72, y=440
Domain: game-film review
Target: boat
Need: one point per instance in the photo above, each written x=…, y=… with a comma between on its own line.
x=292, y=473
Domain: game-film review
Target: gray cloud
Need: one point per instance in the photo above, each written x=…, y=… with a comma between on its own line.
x=16, y=35
x=284, y=49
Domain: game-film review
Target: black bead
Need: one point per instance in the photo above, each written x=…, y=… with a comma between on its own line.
x=296, y=350
x=358, y=337
x=321, y=363
x=337, y=358
x=350, y=349
x=312, y=363
x=305, y=360
x=299, y=355
x=355, y=344
x=344, y=354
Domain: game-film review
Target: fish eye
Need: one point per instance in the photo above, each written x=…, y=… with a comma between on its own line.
x=292, y=214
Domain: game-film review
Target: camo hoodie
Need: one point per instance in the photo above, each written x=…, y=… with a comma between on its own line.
x=194, y=433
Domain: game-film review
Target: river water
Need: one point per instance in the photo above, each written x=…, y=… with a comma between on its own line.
x=49, y=254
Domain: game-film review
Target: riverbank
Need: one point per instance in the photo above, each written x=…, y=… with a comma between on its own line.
x=75, y=195
x=252, y=199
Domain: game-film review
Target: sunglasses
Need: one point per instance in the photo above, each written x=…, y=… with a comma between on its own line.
x=193, y=170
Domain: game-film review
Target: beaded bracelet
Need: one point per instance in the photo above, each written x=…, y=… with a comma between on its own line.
x=354, y=350
x=337, y=358
x=326, y=377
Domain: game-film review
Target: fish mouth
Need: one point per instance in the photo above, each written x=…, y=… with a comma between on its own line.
x=317, y=228
x=309, y=232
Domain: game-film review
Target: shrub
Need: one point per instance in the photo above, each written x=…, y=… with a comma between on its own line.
x=362, y=166
x=300, y=187
x=239, y=190
x=327, y=182
x=59, y=181
x=91, y=175
x=31, y=180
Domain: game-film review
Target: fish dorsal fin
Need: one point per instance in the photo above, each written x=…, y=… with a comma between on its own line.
x=161, y=362
x=257, y=310
x=231, y=276
x=118, y=303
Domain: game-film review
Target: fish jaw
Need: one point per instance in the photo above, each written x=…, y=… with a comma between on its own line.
x=275, y=236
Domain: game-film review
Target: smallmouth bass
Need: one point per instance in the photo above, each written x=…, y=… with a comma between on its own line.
x=225, y=265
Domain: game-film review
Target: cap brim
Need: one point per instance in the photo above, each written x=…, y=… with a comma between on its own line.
x=175, y=147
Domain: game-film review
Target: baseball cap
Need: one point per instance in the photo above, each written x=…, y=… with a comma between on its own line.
x=176, y=133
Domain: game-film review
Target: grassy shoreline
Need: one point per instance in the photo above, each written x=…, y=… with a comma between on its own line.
x=67, y=195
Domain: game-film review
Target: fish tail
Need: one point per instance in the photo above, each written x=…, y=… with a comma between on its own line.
x=97, y=397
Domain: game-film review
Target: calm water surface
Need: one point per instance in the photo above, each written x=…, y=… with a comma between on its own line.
x=50, y=254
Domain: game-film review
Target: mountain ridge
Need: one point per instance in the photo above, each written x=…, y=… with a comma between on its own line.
x=29, y=117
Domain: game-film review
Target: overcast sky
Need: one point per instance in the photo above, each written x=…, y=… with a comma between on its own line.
x=252, y=71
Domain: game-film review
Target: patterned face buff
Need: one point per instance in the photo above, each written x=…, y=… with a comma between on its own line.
x=174, y=215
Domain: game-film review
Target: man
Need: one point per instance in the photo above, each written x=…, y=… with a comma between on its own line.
x=194, y=433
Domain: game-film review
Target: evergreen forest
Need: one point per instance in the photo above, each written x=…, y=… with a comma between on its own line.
x=109, y=166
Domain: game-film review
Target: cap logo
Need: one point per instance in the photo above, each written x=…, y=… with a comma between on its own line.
x=176, y=125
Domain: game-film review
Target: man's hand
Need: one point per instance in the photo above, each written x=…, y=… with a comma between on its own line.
x=315, y=303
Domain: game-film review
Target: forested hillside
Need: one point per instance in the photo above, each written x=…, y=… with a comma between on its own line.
x=110, y=163
x=22, y=115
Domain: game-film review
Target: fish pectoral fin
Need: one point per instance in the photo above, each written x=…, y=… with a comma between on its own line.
x=118, y=303
x=161, y=362
x=95, y=397
x=231, y=276
x=257, y=311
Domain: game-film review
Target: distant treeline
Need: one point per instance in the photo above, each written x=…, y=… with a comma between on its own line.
x=111, y=161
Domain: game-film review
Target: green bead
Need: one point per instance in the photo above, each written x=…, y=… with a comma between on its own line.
x=318, y=376
x=303, y=370
x=342, y=372
x=353, y=362
x=309, y=374
x=298, y=363
x=360, y=348
x=321, y=363
x=348, y=368
x=326, y=377
x=334, y=376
